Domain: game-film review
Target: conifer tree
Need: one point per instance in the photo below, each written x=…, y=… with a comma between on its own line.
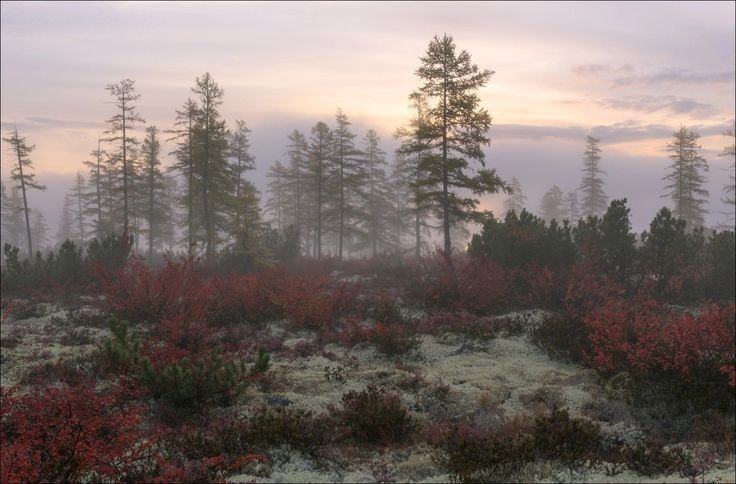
x=551, y=206
x=95, y=179
x=11, y=217
x=297, y=151
x=23, y=176
x=157, y=210
x=213, y=176
x=121, y=126
x=377, y=199
x=278, y=191
x=594, y=200
x=402, y=214
x=238, y=146
x=184, y=134
x=570, y=206
x=39, y=229
x=685, y=180
x=515, y=202
x=77, y=197
x=64, y=231
x=455, y=130
x=730, y=152
x=319, y=157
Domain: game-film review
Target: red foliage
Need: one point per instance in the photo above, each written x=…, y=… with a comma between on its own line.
x=66, y=433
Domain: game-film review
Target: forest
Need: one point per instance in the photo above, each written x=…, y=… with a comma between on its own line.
x=350, y=324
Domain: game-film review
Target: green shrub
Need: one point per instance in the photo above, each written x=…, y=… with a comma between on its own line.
x=375, y=415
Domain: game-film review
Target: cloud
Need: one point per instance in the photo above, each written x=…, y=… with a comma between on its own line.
x=677, y=76
x=35, y=123
x=610, y=134
x=598, y=70
x=650, y=104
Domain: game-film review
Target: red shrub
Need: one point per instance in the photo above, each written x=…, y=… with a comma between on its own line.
x=67, y=433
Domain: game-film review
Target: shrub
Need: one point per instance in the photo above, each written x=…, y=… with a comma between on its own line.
x=561, y=336
x=571, y=440
x=69, y=434
x=375, y=415
x=393, y=339
x=299, y=429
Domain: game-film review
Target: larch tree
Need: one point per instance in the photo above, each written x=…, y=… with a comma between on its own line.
x=39, y=229
x=402, y=214
x=242, y=160
x=23, y=177
x=213, y=176
x=121, y=126
x=685, y=180
x=595, y=200
x=515, y=201
x=570, y=206
x=12, y=220
x=297, y=150
x=456, y=130
x=378, y=203
x=320, y=153
x=64, y=231
x=77, y=197
x=184, y=134
x=730, y=187
x=278, y=194
x=96, y=165
x=551, y=205
x=156, y=211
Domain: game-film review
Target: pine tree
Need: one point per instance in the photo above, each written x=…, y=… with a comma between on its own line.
x=377, y=195
x=730, y=152
x=685, y=179
x=456, y=128
x=121, y=126
x=213, y=176
x=184, y=134
x=96, y=181
x=238, y=146
x=66, y=221
x=23, y=176
x=594, y=200
x=78, y=210
x=570, y=207
x=278, y=191
x=319, y=157
x=515, y=202
x=402, y=213
x=551, y=206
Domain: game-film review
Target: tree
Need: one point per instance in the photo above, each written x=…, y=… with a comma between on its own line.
x=23, y=176
x=297, y=151
x=39, y=229
x=319, y=155
x=551, y=206
x=12, y=221
x=238, y=145
x=415, y=145
x=120, y=125
x=277, y=188
x=730, y=152
x=157, y=211
x=594, y=197
x=213, y=176
x=96, y=181
x=402, y=215
x=64, y=231
x=77, y=198
x=515, y=202
x=685, y=180
x=570, y=206
x=455, y=130
x=377, y=194
x=184, y=134
x=617, y=240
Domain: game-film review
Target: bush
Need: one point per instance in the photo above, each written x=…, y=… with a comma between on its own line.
x=375, y=415
x=393, y=339
x=273, y=427
x=570, y=440
x=561, y=336
x=70, y=434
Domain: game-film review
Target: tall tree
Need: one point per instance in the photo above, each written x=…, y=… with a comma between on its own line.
x=297, y=151
x=402, y=213
x=377, y=194
x=184, y=134
x=319, y=156
x=157, y=210
x=96, y=180
x=77, y=198
x=23, y=175
x=120, y=127
x=551, y=206
x=685, y=179
x=570, y=206
x=456, y=128
x=214, y=178
x=730, y=152
x=242, y=160
x=277, y=189
x=39, y=229
x=12, y=220
x=66, y=222
x=415, y=144
x=515, y=202
x=595, y=200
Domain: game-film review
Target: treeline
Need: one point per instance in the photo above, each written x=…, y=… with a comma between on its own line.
x=335, y=194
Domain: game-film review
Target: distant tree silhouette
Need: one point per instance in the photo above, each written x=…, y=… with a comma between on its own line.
x=12, y=220
x=320, y=152
x=77, y=197
x=594, y=200
x=184, y=133
x=95, y=179
x=516, y=199
x=571, y=207
x=297, y=150
x=551, y=206
x=278, y=193
x=685, y=179
x=39, y=229
x=64, y=231
x=157, y=210
x=23, y=177
x=730, y=187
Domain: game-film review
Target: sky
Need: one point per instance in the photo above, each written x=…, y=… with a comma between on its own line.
x=627, y=73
